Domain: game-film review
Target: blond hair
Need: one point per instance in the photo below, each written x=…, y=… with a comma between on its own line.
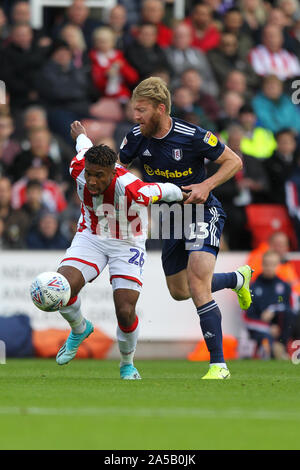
x=80, y=41
x=104, y=31
x=155, y=90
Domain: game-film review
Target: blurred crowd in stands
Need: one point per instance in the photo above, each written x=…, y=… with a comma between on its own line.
x=233, y=67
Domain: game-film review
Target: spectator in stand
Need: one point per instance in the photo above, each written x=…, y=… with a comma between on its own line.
x=294, y=32
x=193, y=80
x=117, y=21
x=38, y=153
x=182, y=56
x=252, y=180
x=21, y=14
x=53, y=197
x=233, y=23
x=269, y=57
x=280, y=167
x=292, y=189
x=257, y=142
x=226, y=57
x=153, y=12
x=273, y=108
x=9, y=147
x=16, y=223
x=34, y=205
x=64, y=90
x=277, y=17
x=183, y=107
x=290, y=8
x=73, y=36
x=270, y=318
x=237, y=81
x=21, y=63
x=231, y=105
x=206, y=35
x=35, y=117
x=112, y=75
x=78, y=15
x=278, y=242
x=254, y=15
x=47, y=235
x=145, y=55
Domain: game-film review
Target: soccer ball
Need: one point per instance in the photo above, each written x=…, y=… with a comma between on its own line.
x=50, y=291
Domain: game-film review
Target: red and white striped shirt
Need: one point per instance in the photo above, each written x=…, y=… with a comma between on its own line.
x=120, y=211
x=283, y=63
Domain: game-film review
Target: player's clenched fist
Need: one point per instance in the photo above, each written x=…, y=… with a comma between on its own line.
x=76, y=129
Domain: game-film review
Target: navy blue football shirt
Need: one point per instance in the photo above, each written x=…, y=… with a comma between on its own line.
x=177, y=158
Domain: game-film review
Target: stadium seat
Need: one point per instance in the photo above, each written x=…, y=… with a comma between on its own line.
x=265, y=219
x=201, y=353
x=46, y=343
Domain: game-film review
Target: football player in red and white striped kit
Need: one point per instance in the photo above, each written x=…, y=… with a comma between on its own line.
x=111, y=230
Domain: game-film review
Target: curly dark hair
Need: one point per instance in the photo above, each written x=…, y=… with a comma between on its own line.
x=101, y=155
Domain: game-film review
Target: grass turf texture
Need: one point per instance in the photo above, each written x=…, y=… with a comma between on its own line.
x=85, y=405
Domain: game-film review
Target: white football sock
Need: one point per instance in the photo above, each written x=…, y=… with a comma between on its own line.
x=72, y=313
x=220, y=364
x=127, y=342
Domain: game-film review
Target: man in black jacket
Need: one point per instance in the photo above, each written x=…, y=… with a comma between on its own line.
x=270, y=317
x=21, y=60
x=145, y=55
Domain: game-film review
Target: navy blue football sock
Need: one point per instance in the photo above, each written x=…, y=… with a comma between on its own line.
x=223, y=281
x=210, y=322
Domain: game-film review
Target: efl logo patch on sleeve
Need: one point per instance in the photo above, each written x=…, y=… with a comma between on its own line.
x=210, y=139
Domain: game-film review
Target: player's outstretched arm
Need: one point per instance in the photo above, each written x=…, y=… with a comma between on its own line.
x=230, y=163
x=155, y=192
x=149, y=193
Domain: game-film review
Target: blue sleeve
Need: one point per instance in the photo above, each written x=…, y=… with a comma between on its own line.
x=207, y=145
x=129, y=148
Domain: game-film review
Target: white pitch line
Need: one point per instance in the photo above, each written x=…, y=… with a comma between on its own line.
x=234, y=413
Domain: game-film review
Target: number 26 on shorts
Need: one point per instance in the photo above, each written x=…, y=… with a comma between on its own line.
x=137, y=258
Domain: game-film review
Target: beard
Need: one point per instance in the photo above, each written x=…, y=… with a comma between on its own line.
x=152, y=127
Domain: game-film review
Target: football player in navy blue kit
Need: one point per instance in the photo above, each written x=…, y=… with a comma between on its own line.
x=172, y=150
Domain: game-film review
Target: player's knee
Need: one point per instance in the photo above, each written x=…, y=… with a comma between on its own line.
x=179, y=294
x=125, y=315
x=74, y=278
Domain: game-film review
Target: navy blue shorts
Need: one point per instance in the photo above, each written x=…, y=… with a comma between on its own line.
x=201, y=231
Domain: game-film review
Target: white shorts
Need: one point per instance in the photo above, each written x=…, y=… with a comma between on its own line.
x=90, y=254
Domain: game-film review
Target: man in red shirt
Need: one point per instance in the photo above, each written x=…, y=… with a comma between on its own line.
x=206, y=35
x=153, y=12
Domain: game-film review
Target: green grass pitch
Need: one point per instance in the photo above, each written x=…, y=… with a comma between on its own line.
x=85, y=405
